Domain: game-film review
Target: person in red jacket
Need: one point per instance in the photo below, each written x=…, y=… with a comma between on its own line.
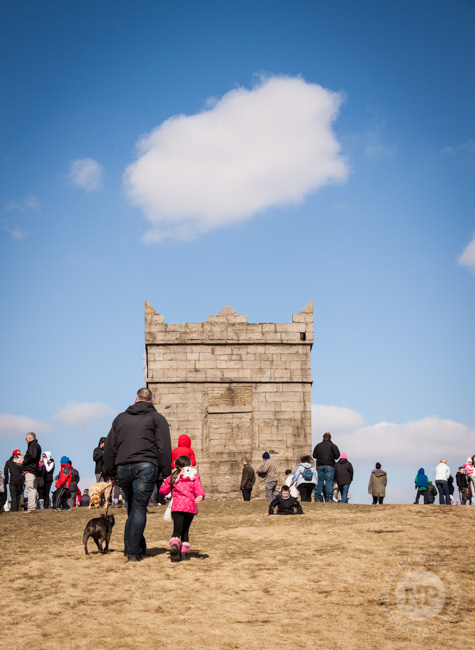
x=183, y=449
x=62, y=486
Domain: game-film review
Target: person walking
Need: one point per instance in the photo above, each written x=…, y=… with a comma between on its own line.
x=187, y=491
x=13, y=472
x=137, y=448
x=267, y=471
x=248, y=478
x=442, y=473
x=344, y=476
x=325, y=454
x=31, y=470
x=377, y=484
x=305, y=478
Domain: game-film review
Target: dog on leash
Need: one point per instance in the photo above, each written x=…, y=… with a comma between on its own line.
x=100, y=529
x=97, y=491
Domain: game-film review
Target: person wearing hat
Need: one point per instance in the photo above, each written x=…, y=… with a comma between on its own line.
x=268, y=473
x=14, y=478
x=62, y=486
x=325, y=454
x=32, y=470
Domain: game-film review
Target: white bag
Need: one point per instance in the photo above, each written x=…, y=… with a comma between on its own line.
x=167, y=515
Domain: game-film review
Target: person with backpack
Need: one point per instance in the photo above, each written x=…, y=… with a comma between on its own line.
x=305, y=478
x=343, y=476
x=422, y=484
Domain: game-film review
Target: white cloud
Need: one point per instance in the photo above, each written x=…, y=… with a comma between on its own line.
x=78, y=414
x=465, y=147
x=15, y=212
x=414, y=442
x=86, y=173
x=249, y=150
x=467, y=258
x=14, y=425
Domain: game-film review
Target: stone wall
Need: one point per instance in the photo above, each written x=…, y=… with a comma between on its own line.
x=236, y=388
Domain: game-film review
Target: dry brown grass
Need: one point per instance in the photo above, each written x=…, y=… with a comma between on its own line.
x=253, y=581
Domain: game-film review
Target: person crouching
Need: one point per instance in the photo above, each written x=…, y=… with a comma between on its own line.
x=286, y=505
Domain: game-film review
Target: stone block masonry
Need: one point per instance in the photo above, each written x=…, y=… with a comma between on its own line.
x=236, y=388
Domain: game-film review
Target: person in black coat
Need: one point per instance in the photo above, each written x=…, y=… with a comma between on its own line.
x=98, y=458
x=136, y=450
x=431, y=493
x=286, y=505
x=462, y=484
x=325, y=454
x=343, y=476
x=14, y=478
x=31, y=469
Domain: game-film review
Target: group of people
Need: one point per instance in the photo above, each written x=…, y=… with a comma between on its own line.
x=444, y=484
x=33, y=472
x=329, y=482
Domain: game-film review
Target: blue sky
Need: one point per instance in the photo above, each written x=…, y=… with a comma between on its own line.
x=381, y=238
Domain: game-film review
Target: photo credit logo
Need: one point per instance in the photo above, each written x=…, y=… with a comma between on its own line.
x=420, y=596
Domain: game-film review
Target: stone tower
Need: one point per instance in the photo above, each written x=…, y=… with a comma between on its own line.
x=236, y=388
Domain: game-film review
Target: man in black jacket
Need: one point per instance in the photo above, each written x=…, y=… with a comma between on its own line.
x=97, y=457
x=31, y=469
x=14, y=478
x=325, y=453
x=137, y=448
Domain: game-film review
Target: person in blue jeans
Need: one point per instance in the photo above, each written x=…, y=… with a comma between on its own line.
x=137, y=448
x=344, y=476
x=325, y=454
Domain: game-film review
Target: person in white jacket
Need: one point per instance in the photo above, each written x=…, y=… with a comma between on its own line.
x=442, y=473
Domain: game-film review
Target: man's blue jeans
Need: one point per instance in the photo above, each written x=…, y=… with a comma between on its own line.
x=137, y=480
x=325, y=475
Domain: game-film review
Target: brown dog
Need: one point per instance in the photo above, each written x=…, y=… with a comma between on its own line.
x=97, y=491
x=100, y=530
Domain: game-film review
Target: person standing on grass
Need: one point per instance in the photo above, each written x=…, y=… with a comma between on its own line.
x=377, y=484
x=462, y=485
x=3, y=493
x=14, y=478
x=62, y=485
x=325, y=454
x=187, y=491
x=137, y=448
x=442, y=473
x=31, y=469
x=248, y=478
x=305, y=478
x=344, y=476
x=422, y=484
x=73, y=488
x=267, y=471
x=431, y=493
x=48, y=477
x=98, y=458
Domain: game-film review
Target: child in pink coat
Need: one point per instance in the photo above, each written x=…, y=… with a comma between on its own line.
x=187, y=491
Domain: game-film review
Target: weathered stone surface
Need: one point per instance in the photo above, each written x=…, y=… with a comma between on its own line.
x=236, y=388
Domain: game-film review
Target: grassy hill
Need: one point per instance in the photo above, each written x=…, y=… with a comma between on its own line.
x=339, y=577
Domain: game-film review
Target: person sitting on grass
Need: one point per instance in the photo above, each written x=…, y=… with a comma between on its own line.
x=285, y=503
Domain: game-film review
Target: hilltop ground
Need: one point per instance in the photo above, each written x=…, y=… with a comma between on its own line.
x=340, y=577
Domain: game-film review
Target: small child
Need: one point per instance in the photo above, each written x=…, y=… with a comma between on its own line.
x=62, y=486
x=421, y=484
x=183, y=449
x=285, y=503
x=290, y=483
x=187, y=490
x=462, y=484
